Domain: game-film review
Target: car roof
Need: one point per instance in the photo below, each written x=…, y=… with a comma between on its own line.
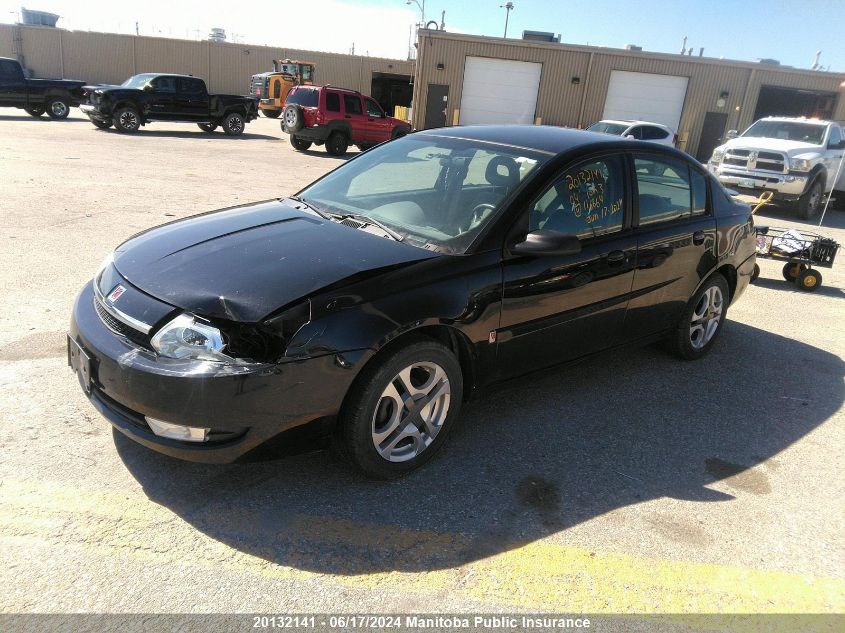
x=797, y=119
x=545, y=138
x=328, y=86
x=165, y=75
x=633, y=122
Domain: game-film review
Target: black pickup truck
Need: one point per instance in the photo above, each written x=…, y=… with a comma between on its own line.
x=37, y=96
x=157, y=97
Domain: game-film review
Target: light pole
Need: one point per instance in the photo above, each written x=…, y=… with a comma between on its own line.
x=422, y=9
x=508, y=7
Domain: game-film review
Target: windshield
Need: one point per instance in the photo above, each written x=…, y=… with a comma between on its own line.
x=608, y=128
x=788, y=130
x=434, y=192
x=137, y=81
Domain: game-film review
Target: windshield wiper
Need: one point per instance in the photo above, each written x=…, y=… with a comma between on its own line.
x=311, y=207
x=368, y=220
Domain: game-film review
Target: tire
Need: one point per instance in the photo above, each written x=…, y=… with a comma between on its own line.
x=272, y=114
x=292, y=120
x=791, y=271
x=809, y=280
x=58, y=108
x=755, y=273
x=337, y=144
x=207, y=127
x=234, y=124
x=701, y=321
x=378, y=402
x=809, y=204
x=36, y=112
x=126, y=120
x=299, y=144
x=103, y=125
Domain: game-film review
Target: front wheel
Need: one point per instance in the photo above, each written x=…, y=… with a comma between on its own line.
x=234, y=124
x=401, y=409
x=809, y=204
x=103, y=125
x=58, y=109
x=207, y=127
x=702, y=319
x=299, y=144
x=36, y=112
x=126, y=120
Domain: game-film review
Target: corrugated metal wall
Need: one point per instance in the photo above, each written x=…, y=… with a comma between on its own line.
x=562, y=102
x=111, y=58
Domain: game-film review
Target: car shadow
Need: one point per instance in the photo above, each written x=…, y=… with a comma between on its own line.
x=43, y=118
x=781, y=284
x=217, y=134
x=321, y=153
x=530, y=459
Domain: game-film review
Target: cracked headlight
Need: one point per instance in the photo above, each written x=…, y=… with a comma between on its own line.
x=184, y=337
x=800, y=164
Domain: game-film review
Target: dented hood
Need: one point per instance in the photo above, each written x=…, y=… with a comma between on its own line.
x=246, y=262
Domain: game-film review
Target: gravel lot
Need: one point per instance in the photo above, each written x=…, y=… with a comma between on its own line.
x=629, y=482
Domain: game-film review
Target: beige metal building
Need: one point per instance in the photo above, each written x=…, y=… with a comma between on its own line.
x=226, y=67
x=464, y=79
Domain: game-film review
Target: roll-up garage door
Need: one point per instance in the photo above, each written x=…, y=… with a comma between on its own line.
x=499, y=91
x=647, y=97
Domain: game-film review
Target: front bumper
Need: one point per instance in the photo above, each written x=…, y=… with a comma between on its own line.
x=783, y=186
x=94, y=112
x=244, y=405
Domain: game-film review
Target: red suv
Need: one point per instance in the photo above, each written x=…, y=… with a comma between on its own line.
x=337, y=117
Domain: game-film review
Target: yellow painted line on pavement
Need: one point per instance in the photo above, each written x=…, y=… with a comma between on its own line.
x=535, y=576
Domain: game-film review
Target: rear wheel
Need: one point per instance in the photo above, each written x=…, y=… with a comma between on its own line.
x=791, y=270
x=272, y=114
x=103, y=125
x=58, y=108
x=207, y=127
x=299, y=144
x=126, y=120
x=337, y=144
x=401, y=409
x=36, y=112
x=809, y=204
x=234, y=124
x=702, y=319
x=809, y=280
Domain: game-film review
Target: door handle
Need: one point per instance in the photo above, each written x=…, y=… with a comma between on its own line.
x=698, y=237
x=348, y=116
x=370, y=120
x=615, y=257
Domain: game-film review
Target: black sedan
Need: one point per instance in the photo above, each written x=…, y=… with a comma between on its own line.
x=370, y=305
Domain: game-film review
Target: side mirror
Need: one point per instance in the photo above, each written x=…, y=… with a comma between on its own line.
x=148, y=88
x=546, y=242
x=631, y=136
x=731, y=134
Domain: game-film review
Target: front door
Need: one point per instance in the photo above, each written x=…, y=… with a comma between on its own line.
x=378, y=127
x=711, y=134
x=162, y=98
x=436, y=103
x=558, y=308
x=676, y=240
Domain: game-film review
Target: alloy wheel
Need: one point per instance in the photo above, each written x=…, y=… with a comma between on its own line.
x=706, y=317
x=128, y=120
x=236, y=124
x=411, y=411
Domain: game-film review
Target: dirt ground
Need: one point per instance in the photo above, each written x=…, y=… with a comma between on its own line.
x=676, y=487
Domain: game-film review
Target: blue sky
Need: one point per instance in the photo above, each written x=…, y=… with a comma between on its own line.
x=790, y=31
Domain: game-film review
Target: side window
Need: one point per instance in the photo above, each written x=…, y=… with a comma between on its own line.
x=651, y=133
x=164, y=84
x=188, y=85
x=8, y=70
x=277, y=89
x=352, y=104
x=373, y=109
x=835, y=135
x=699, y=192
x=586, y=200
x=664, y=189
x=332, y=102
x=636, y=132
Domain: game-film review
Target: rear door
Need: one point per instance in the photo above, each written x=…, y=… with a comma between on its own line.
x=676, y=240
x=192, y=99
x=12, y=85
x=378, y=127
x=353, y=113
x=557, y=308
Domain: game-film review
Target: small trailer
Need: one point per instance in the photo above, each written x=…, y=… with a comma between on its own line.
x=801, y=250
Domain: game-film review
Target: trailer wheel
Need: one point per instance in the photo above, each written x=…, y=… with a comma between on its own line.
x=809, y=280
x=755, y=273
x=791, y=270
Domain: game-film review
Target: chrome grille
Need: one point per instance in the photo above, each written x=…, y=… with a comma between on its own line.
x=754, y=160
x=119, y=327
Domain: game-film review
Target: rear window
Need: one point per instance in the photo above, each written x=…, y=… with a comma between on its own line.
x=306, y=97
x=607, y=128
x=651, y=133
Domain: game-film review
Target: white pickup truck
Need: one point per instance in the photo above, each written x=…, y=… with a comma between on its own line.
x=795, y=158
